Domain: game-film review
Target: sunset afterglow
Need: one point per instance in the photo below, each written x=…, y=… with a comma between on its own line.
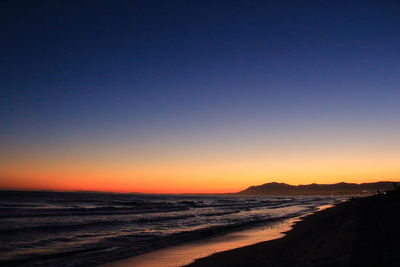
x=183, y=100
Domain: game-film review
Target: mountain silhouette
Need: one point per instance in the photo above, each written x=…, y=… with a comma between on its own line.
x=317, y=189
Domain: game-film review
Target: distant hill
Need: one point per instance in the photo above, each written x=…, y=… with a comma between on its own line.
x=317, y=189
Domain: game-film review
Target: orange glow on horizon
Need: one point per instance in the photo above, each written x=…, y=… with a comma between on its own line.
x=197, y=168
x=211, y=177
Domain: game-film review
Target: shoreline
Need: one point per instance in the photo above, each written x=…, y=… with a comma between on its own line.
x=186, y=253
x=359, y=232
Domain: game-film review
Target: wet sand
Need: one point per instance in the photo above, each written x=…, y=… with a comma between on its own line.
x=181, y=255
x=186, y=253
x=360, y=232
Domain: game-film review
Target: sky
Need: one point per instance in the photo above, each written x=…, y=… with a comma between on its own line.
x=198, y=96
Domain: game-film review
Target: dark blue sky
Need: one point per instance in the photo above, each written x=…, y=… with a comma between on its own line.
x=198, y=96
x=84, y=68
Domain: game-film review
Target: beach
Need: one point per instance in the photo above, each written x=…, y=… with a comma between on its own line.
x=81, y=229
x=286, y=231
x=183, y=254
x=359, y=232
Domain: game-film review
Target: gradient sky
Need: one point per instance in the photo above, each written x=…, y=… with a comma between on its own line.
x=198, y=96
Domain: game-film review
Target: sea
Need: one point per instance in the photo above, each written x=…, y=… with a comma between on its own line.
x=87, y=229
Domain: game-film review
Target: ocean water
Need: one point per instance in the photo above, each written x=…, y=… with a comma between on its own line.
x=81, y=229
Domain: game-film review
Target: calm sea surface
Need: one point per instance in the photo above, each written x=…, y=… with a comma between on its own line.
x=72, y=229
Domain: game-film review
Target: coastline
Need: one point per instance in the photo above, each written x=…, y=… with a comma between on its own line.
x=88, y=230
x=187, y=252
x=359, y=232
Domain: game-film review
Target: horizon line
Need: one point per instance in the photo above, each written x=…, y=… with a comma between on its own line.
x=166, y=193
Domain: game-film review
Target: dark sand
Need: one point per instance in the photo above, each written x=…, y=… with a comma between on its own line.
x=360, y=232
x=186, y=253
